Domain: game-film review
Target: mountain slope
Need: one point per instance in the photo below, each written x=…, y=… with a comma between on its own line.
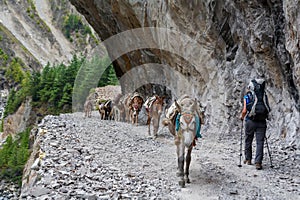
x=36, y=31
x=32, y=34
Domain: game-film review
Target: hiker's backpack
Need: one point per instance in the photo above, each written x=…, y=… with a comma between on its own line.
x=249, y=100
x=257, y=106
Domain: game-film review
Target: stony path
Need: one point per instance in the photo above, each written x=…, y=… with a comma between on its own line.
x=86, y=158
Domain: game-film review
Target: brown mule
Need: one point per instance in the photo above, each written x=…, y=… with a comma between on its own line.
x=154, y=109
x=136, y=105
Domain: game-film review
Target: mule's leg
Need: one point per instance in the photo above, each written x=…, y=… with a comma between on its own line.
x=148, y=119
x=187, y=164
x=117, y=115
x=128, y=116
x=171, y=127
x=155, y=120
x=125, y=115
x=90, y=112
x=132, y=118
x=137, y=119
x=180, y=160
x=155, y=126
x=149, y=124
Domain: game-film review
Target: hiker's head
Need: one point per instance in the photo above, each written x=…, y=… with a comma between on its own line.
x=251, y=85
x=260, y=80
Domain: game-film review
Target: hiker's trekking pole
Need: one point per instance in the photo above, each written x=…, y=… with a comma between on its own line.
x=271, y=165
x=240, y=165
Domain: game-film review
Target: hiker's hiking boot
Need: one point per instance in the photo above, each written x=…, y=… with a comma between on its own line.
x=248, y=162
x=258, y=166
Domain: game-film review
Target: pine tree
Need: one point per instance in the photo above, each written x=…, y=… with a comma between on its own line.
x=66, y=99
x=35, y=85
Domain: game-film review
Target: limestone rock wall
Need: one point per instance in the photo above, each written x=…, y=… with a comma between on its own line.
x=214, y=48
x=18, y=122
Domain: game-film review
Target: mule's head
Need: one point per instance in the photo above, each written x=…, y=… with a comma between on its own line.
x=137, y=103
x=158, y=104
x=187, y=110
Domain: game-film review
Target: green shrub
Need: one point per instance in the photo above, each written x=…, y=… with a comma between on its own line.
x=1, y=127
x=13, y=157
x=108, y=77
x=15, y=74
x=73, y=24
x=52, y=89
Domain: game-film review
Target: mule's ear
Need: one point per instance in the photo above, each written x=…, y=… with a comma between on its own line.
x=178, y=106
x=194, y=106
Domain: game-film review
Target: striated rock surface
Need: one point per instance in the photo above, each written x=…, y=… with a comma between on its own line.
x=214, y=48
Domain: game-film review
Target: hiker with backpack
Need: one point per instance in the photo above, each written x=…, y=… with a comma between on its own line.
x=255, y=112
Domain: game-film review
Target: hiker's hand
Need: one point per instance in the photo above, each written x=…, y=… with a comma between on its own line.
x=241, y=118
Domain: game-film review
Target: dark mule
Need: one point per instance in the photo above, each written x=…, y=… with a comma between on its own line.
x=107, y=108
x=154, y=107
x=104, y=108
x=100, y=108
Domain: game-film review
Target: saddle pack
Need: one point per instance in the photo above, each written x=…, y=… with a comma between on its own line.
x=257, y=103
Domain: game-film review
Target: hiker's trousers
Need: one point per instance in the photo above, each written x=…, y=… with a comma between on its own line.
x=259, y=129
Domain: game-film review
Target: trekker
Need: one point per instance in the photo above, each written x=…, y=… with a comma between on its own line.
x=255, y=109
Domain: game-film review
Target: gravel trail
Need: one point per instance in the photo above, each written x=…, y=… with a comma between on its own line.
x=86, y=158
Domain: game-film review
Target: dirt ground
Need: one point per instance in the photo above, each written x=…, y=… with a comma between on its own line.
x=117, y=160
x=216, y=174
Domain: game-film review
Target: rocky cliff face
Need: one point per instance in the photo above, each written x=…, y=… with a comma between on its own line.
x=33, y=33
x=209, y=49
x=35, y=28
